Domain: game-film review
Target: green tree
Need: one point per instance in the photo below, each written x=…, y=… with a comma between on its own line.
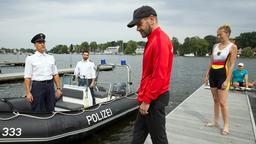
x=27, y=50
x=176, y=45
x=212, y=40
x=120, y=43
x=93, y=46
x=101, y=48
x=7, y=50
x=141, y=43
x=84, y=46
x=195, y=45
x=125, y=46
x=199, y=46
x=185, y=47
x=131, y=47
x=113, y=43
x=60, y=49
x=71, y=48
x=247, y=39
x=247, y=52
x=76, y=48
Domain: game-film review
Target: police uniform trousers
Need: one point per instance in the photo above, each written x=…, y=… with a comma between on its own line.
x=43, y=96
x=153, y=123
x=87, y=82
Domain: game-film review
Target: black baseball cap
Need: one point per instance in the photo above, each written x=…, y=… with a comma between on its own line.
x=38, y=38
x=141, y=12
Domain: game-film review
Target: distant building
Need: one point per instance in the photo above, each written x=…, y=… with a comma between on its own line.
x=112, y=50
x=189, y=55
x=239, y=52
x=254, y=51
x=139, y=50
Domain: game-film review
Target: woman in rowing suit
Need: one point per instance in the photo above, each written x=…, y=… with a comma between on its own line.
x=219, y=74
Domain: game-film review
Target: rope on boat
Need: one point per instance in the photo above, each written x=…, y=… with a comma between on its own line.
x=9, y=118
x=36, y=117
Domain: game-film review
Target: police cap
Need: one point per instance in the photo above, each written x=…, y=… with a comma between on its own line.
x=38, y=38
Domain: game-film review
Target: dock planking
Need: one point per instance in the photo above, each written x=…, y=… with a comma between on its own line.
x=186, y=123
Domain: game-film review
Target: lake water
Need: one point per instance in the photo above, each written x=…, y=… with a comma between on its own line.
x=187, y=76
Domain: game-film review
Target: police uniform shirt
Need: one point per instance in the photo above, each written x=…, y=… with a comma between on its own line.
x=40, y=67
x=85, y=69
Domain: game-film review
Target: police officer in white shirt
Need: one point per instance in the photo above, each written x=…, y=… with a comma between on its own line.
x=85, y=71
x=40, y=69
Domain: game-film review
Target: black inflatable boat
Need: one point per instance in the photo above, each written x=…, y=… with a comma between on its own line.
x=74, y=115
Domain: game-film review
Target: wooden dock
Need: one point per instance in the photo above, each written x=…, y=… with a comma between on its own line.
x=186, y=123
x=12, y=63
x=20, y=76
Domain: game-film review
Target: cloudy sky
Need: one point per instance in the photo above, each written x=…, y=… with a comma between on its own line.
x=75, y=21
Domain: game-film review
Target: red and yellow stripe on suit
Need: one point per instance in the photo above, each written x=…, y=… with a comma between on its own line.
x=220, y=65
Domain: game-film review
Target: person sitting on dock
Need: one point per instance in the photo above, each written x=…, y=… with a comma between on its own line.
x=85, y=71
x=240, y=77
x=41, y=70
x=219, y=74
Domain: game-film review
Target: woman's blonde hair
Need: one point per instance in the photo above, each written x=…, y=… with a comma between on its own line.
x=226, y=27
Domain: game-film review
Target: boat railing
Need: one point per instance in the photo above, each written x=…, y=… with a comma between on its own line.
x=112, y=88
x=69, y=79
x=126, y=66
x=104, y=87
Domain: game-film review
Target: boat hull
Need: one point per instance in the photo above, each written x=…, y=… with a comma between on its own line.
x=27, y=127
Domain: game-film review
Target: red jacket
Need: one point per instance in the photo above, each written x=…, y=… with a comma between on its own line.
x=157, y=67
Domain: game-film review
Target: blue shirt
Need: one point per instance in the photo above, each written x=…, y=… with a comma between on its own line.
x=238, y=75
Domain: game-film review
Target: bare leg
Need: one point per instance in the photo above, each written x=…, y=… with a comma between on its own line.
x=216, y=106
x=224, y=108
x=250, y=85
x=236, y=85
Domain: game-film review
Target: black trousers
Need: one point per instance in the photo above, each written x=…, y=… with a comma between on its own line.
x=43, y=96
x=153, y=123
x=87, y=82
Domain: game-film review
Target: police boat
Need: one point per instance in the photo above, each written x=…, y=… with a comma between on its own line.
x=75, y=116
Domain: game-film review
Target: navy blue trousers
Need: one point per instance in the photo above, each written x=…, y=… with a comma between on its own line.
x=87, y=82
x=43, y=96
x=153, y=123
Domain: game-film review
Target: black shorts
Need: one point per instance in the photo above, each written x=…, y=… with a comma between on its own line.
x=241, y=84
x=217, y=77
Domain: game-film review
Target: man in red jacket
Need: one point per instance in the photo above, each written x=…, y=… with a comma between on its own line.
x=153, y=93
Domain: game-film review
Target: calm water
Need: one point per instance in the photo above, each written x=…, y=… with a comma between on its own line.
x=187, y=75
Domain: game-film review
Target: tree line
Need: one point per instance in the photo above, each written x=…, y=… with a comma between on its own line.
x=16, y=51
x=196, y=45
x=202, y=46
x=124, y=47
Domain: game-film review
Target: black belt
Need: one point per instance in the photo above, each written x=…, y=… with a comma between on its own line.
x=85, y=78
x=45, y=81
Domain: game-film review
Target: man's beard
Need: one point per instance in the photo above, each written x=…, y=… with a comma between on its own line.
x=145, y=33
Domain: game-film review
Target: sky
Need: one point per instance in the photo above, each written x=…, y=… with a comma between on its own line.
x=75, y=21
